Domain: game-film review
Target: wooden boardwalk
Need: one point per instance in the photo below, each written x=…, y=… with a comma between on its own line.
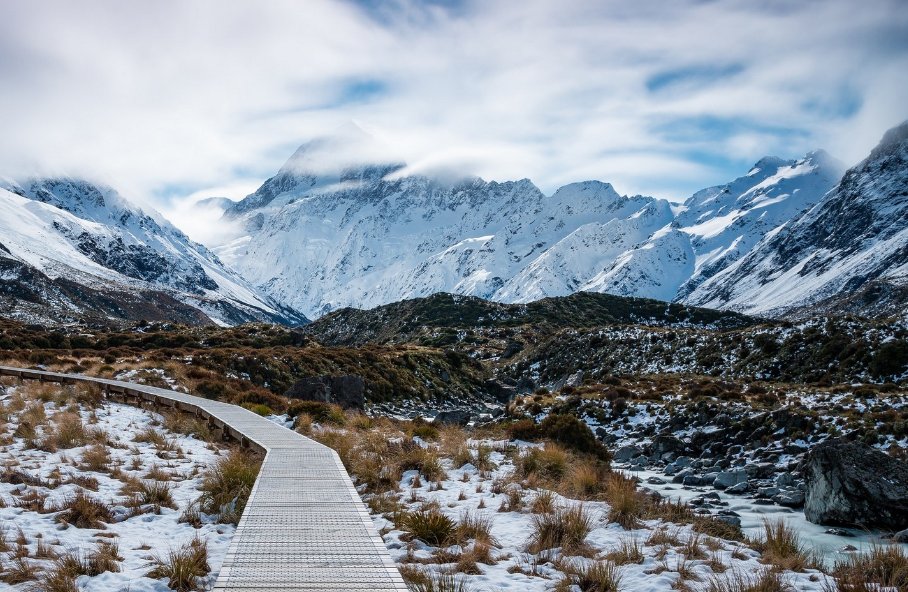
x=304, y=527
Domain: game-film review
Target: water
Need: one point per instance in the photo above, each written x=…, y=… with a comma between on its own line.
x=828, y=546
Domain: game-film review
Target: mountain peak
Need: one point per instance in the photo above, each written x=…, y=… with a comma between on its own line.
x=349, y=146
x=891, y=139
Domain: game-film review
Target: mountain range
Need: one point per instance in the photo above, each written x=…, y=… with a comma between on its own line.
x=342, y=224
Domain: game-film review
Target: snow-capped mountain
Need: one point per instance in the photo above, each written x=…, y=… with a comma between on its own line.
x=72, y=249
x=319, y=236
x=852, y=245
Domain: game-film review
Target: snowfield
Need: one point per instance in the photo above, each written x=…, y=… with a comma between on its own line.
x=139, y=531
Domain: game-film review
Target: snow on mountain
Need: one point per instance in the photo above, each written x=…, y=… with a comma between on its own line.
x=727, y=221
x=342, y=224
x=857, y=235
x=90, y=236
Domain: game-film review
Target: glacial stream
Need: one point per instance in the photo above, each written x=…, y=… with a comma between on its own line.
x=831, y=547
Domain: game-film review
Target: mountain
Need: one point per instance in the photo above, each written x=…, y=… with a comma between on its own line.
x=849, y=252
x=342, y=224
x=75, y=250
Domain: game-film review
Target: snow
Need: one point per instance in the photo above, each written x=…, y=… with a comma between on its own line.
x=465, y=489
x=138, y=537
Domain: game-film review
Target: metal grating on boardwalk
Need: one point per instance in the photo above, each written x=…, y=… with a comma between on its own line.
x=304, y=527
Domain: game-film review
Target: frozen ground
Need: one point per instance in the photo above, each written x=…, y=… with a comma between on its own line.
x=139, y=532
x=664, y=565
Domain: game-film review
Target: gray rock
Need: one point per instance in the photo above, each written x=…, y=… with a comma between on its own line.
x=739, y=488
x=901, y=536
x=693, y=480
x=655, y=481
x=683, y=461
x=665, y=443
x=849, y=483
x=682, y=475
x=726, y=479
x=733, y=520
x=454, y=417
x=767, y=491
x=348, y=391
x=840, y=532
x=785, y=480
x=625, y=453
x=671, y=469
x=790, y=498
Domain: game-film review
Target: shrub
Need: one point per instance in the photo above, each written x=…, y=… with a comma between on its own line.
x=476, y=526
x=626, y=503
x=764, y=581
x=550, y=463
x=83, y=511
x=157, y=493
x=226, y=486
x=566, y=528
x=781, y=546
x=259, y=409
x=881, y=568
x=598, y=576
x=524, y=429
x=182, y=567
x=324, y=413
x=430, y=526
x=574, y=434
x=69, y=431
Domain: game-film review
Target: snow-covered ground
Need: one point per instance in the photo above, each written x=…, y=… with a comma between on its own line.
x=673, y=556
x=139, y=533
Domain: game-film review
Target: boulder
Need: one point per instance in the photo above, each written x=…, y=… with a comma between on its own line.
x=625, y=453
x=901, y=536
x=790, y=498
x=348, y=391
x=453, y=417
x=850, y=483
x=665, y=443
x=726, y=479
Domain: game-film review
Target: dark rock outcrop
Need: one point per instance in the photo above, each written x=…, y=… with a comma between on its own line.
x=849, y=483
x=347, y=391
x=454, y=417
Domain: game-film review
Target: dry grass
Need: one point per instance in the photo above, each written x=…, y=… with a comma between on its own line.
x=628, y=551
x=597, y=576
x=96, y=458
x=226, y=486
x=883, y=567
x=626, y=503
x=543, y=502
x=69, y=431
x=566, y=528
x=19, y=571
x=182, y=567
x=781, y=547
x=83, y=511
x=430, y=525
x=764, y=581
x=156, y=493
x=475, y=526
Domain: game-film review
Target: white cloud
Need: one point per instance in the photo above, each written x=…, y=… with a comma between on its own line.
x=203, y=94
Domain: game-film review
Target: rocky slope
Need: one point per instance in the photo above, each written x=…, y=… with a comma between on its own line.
x=850, y=250
x=71, y=250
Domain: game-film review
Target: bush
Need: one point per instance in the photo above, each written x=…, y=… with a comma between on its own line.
x=430, y=526
x=226, y=486
x=83, y=511
x=566, y=528
x=574, y=434
x=182, y=567
x=324, y=413
x=524, y=429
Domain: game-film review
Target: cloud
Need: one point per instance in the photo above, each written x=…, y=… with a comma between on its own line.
x=161, y=97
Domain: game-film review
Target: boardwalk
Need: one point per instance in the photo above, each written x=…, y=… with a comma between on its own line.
x=304, y=527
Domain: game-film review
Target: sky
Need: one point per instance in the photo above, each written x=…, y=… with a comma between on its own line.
x=172, y=101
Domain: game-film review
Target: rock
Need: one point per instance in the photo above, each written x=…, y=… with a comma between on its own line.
x=849, y=483
x=733, y=520
x=785, y=480
x=503, y=393
x=848, y=549
x=693, y=480
x=683, y=461
x=901, y=536
x=625, y=453
x=726, y=479
x=348, y=391
x=839, y=532
x=575, y=379
x=665, y=443
x=790, y=498
x=738, y=489
x=767, y=491
x=458, y=417
x=681, y=476
x=671, y=469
